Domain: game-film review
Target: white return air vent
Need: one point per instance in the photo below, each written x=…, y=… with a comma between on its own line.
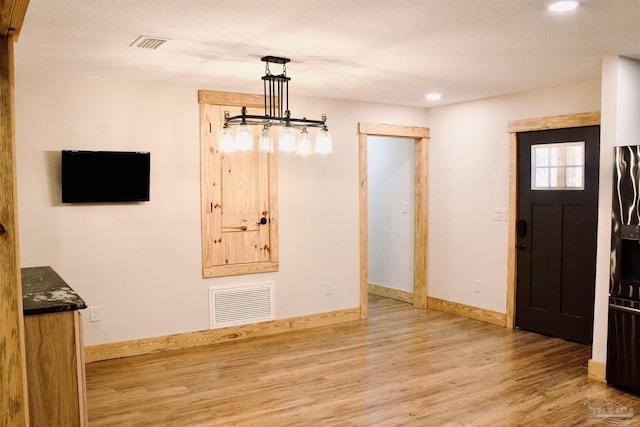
x=146, y=42
x=239, y=305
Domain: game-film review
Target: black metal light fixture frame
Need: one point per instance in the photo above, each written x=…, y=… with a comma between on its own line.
x=276, y=103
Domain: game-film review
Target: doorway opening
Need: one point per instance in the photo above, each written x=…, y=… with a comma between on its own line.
x=420, y=136
x=390, y=169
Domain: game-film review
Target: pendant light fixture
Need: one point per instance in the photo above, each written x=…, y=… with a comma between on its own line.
x=293, y=135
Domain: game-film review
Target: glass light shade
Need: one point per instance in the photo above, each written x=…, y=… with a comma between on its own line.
x=323, y=142
x=226, y=140
x=304, y=145
x=245, y=138
x=287, y=140
x=265, y=145
x=564, y=6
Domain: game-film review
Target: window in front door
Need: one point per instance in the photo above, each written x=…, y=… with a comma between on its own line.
x=557, y=166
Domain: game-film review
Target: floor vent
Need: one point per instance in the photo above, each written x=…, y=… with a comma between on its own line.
x=239, y=305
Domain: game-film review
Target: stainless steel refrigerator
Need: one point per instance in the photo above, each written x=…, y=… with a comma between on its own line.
x=623, y=345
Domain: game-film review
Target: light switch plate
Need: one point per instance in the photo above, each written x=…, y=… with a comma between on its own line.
x=500, y=214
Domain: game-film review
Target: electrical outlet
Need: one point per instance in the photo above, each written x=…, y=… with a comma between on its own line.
x=326, y=288
x=94, y=314
x=476, y=286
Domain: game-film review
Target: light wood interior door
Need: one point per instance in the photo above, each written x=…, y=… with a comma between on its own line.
x=241, y=230
x=239, y=193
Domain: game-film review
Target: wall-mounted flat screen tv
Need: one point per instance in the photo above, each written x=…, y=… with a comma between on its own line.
x=105, y=176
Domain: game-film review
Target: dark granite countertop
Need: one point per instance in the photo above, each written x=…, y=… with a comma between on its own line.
x=43, y=291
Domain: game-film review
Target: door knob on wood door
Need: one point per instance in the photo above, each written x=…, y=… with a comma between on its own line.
x=262, y=221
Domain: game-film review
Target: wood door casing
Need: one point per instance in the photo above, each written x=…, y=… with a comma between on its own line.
x=13, y=381
x=238, y=190
x=421, y=136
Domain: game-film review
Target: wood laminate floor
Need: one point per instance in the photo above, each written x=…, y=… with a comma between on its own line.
x=401, y=367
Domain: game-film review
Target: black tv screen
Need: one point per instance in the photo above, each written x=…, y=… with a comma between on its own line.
x=105, y=176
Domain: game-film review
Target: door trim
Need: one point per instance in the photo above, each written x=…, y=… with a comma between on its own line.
x=420, y=135
x=13, y=375
x=528, y=125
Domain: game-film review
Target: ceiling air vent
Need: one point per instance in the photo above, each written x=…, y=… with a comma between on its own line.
x=147, y=42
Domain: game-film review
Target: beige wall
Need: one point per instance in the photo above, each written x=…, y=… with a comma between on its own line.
x=141, y=263
x=469, y=178
x=620, y=126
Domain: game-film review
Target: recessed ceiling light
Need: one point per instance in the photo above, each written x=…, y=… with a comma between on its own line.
x=434, y=96
x=564, y=5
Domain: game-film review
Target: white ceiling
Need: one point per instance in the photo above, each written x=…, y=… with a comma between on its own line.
x=389, y=51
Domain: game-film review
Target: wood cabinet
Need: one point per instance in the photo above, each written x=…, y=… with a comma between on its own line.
x=55, y=369
x=54, y=350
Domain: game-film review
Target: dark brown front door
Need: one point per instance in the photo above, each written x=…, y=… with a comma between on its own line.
x=556, y=228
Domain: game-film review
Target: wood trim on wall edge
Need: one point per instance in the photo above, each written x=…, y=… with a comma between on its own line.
x=387, y=292
x=476, y=313
x=381, y=129
x=238, y=269
x=12, y=13
x=512, y=271
x=230, y=99
x=363, y=220
x=597, y=371
x=554, y=122
x=13, y=375
x=142, y=346
x=420, y=135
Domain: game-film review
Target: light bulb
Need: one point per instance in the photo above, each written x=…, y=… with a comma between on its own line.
x=287, y=142
x=323, y=142
x=245, y=137
x=226, y=140
x=564, y=5
x=304, y=145
x=266, y=142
